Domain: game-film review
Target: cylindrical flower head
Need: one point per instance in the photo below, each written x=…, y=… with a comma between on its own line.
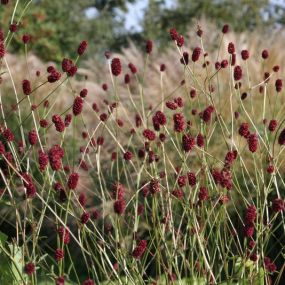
x=59, y=254
x=43, y=160
x=116, y=66
x=119, y=206
x=73, y=180
x=82, y=47
x=253, y=142
x=272, y=125
x=26, y=38
x=179, y=122
x=225, y=29
x=180, y=40
x=77, y=106
x=33, y=137
x=231, y=48
x=173, y=34
x=149, y=134
x=148, y=47
x=244, y=54
x=188, y=143
x=237, y=73
x=26, y=84
x=278, y=205
x=85, y=218
x=132, y=68
x=196, y=54
x=30, y=268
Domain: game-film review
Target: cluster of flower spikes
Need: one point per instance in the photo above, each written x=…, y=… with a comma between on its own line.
x=54, y=75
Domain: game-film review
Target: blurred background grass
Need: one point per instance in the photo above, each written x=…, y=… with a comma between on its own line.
x=58, y=26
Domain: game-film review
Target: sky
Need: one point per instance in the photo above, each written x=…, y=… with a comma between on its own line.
x=135, y=14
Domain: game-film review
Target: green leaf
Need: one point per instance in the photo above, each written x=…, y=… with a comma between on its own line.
x=3, y=238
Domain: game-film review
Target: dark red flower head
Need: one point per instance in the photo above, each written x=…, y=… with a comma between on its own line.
x=73, y=180
x=88, y=282
x=26, y=38
x=191, y=178
x=237, y=73
x=203, y=194
x=265, y=54
x=13, y=27
x=64, y=234
x=77, y=105
x=55, y=155
x=59, y=254
x=244, y=54
x=180, y=40
x=231, y=48
x=119, y=206
x=128, y=155
x=278, y=205
x=149, y=46
x=85, y=218
x=139, y=249
x=116, y=66
x=59, y=281
x=179, y=122
x=54, y=76
x=173, y=34
x=149, y=134
x=225, y=29
x=33, y=137
x=188, y=143
x=253, y=142
x=8, y=135
x=30, y=268
x=162, y=67
x=58, y=123
x=127, y=79
x=132, y=68
x=26, y=84
x=196, y=54
x=66, y=64
x=272, y=125
x=82, y=47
